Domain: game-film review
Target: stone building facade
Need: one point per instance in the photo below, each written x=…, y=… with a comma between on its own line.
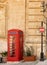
x=25, y=15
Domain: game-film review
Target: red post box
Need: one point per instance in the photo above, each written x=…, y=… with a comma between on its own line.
x=15, y=45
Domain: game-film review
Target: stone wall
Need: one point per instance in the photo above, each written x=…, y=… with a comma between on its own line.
x=29, y=25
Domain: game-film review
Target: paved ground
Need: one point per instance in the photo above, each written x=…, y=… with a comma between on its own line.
x=20, y=63
x=42, y=63
x=26, y=63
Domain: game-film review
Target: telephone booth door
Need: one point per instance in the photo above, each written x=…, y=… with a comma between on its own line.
x=15, y=45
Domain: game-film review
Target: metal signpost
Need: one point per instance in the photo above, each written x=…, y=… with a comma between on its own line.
x=44, y=5
x=42, y=54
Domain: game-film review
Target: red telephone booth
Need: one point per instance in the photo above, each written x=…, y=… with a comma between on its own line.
x=15, y=45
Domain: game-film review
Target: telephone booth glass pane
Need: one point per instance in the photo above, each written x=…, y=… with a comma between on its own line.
x=12, y=46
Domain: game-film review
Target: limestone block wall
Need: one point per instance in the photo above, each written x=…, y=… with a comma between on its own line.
x=16, y=14
x=15, y=18
x=29, y=24
x=34, y=17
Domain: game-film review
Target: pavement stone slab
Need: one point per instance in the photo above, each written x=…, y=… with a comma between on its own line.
x=19, y=63
x=42, y=62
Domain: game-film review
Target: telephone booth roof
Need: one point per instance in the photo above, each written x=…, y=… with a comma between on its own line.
x=15, y=30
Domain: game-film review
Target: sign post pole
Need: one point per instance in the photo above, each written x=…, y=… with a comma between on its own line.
x=42, y=53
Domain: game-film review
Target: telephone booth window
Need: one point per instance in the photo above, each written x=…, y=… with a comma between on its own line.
x=12, y=46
